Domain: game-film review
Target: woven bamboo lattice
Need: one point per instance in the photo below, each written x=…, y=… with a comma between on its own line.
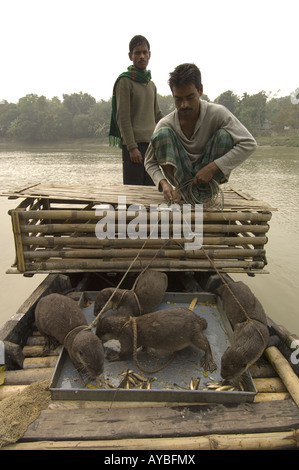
x=55, y=231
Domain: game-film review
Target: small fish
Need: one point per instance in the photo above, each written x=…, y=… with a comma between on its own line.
x=137, y=376
x=225, y=388
x=180, y=387
x=194, y=383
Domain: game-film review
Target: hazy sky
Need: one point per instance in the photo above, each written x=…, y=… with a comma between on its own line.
x=51, y=47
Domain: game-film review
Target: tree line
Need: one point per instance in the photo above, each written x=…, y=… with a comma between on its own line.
x=38, y=119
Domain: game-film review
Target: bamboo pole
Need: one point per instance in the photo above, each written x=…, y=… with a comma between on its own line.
x=38, y=351
x=94, y=241
x=60, y=214
x=8, y=390
x=270, y=385
x=107, y=253
x=18, y=241
x=285, y=372
x=27, y=376
x=39, y=362
x=266, y=396
x=91, y=228
x=116, y=265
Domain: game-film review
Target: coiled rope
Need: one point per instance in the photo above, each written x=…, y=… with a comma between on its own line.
x=212, y=188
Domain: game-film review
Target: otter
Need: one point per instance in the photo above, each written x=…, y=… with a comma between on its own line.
x=61, y=321
x=171, y=329
x=250, y=333
x=146, y=294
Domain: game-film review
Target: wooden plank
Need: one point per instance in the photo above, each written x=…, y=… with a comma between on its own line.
x=163, y=422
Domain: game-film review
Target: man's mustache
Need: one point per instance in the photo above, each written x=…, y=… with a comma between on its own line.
x=184, y=110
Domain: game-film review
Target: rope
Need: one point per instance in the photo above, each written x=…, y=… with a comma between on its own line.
x=95, y=321
x=82, y=327
x=132, y=321
x=248, y=318
x=210, y=201
x=134, y=328
x=135, y=296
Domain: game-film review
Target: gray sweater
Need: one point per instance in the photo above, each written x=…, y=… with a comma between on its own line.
x=211, y=118
x=137, y=111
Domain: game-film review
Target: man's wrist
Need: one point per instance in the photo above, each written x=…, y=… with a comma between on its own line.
x=213, y=167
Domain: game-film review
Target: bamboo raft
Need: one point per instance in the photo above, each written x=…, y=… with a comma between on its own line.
x=271, y=421
x=55, y=232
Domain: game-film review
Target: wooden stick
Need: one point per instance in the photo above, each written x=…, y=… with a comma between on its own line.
x=261, y=441
x=284, y=371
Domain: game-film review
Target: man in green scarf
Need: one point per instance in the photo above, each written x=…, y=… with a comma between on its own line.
x=135, y=112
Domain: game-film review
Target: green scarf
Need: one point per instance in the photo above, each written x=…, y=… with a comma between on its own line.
x=134, y=74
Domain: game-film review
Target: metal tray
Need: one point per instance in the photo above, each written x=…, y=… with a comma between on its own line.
x=171, y=384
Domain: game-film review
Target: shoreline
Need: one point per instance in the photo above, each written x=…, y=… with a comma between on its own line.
x=290, y=140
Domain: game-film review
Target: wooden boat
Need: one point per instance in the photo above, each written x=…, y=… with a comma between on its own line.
x=269, y=420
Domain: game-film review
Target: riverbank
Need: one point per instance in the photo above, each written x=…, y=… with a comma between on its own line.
x=290, y=139
x=86, y=145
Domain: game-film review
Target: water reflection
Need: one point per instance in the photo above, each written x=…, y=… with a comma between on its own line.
x=18, y=168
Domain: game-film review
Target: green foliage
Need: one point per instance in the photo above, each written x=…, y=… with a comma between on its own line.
x=166, y=104
x=229, y=100
x=37, y=119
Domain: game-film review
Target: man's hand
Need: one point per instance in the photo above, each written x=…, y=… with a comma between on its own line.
x=205, y=174
x=169, y=193
x=135, y=156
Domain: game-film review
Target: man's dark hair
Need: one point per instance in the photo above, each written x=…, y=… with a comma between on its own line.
x=185, y=74
x=136, y=41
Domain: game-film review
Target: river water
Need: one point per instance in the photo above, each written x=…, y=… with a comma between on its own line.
x=271, y=174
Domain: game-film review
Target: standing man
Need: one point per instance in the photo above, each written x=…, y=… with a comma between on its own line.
x=135, y=113
x=197, y=145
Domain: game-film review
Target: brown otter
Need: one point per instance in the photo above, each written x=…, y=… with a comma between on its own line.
x=170, y=329
x=146, y=294
x=61, y=320
x=251, y=335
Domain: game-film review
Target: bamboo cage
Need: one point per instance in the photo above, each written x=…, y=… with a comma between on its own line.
x=56, y=231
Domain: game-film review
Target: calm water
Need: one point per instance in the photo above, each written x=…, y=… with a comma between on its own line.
x=271, y=174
